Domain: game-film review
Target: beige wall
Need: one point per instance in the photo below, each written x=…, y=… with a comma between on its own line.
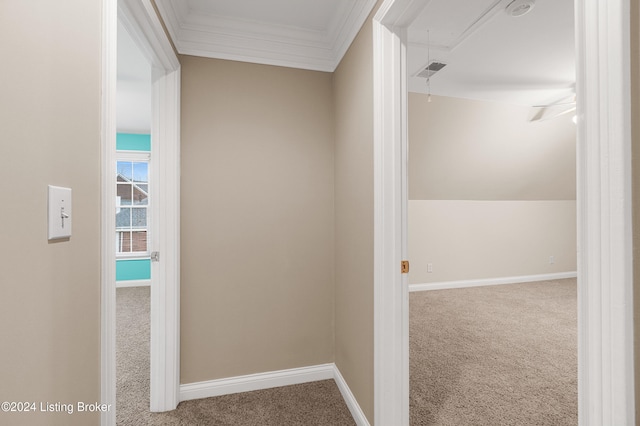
x=275, y=161
x=353, y=88
x=50, y=121
x=473, y=150
x=468, y=240
x=635, y=134
x=492, y=194
x=257, y=219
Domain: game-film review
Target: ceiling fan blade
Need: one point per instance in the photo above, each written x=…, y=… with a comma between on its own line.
x=553, y=111
x=555, y=104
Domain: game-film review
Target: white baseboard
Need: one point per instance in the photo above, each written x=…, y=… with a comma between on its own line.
x=257, y=381
x=491, y=281
x=349, y=399
x=274, y=379
x=133, y=283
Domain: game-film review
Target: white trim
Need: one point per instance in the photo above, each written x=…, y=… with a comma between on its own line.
x=135, y=255
x=391, y=293
x=352, y=403
x=133, y=283
x=352, y=25
x=107, y=222
x=142, y=23
x=274, y=379
x=222, y=37
x=123, y=155
x=605, y=303
x=252, y=382
x=165, y=231
x=444, y=285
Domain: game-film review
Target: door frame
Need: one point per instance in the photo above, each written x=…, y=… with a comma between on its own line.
x=141, y=21
x=605, y=274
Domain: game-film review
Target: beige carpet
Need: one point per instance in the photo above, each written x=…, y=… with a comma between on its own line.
x=498, y=355
x=318, y=403
x=132, y=353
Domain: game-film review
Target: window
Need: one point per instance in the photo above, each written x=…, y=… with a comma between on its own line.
x=132, y=205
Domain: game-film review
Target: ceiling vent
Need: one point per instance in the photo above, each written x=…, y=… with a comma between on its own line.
x=431, y=69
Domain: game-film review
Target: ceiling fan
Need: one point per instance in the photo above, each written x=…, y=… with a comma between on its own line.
x=554, y=109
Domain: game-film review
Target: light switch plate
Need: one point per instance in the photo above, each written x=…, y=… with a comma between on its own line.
x=59, y=216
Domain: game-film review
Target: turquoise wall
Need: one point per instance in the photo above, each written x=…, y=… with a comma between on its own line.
x=133, y=269
x=133, y=142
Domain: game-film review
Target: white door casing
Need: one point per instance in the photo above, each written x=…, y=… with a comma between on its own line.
x=109, y=58
x=605, y=281
x=142, y=23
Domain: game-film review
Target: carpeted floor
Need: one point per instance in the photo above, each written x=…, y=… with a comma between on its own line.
x=498, y=355
x=132, y=353
x=318, y=403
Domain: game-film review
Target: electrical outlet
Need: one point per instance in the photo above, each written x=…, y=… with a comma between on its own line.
x=429, y=267
x=552, y=260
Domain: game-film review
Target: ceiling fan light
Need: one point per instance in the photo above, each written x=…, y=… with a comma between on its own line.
x=520, y=7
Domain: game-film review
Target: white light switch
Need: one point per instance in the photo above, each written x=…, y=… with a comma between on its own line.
x=59, y=212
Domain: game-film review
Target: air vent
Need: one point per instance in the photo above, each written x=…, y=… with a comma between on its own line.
x=431, y=69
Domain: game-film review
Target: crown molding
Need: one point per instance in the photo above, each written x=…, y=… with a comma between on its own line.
x=214, y=36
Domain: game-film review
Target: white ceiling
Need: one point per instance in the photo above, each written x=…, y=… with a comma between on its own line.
x=308, y=34
x=133, y=88
x=490, y=55
x=527, y=60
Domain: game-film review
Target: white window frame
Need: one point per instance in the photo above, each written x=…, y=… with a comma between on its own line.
x=139, y=157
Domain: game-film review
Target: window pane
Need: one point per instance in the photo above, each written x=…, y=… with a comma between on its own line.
x=124, y=194
x=125, y=171
x=132, y=189
x=140, y=172
x=123, y=241
x=123, y=219
x=139, y=240
x=140, y=194
x=139, y=219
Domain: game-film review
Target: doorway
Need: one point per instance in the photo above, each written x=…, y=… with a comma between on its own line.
x=472, y=339
x=492, y=200
x=605, y=318
x=134, y=214
x=141, y=22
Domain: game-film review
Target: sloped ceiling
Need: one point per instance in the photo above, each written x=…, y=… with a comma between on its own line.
x=307, y=34
x=527, y=60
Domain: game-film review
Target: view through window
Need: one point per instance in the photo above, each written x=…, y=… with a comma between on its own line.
x=131, y=206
